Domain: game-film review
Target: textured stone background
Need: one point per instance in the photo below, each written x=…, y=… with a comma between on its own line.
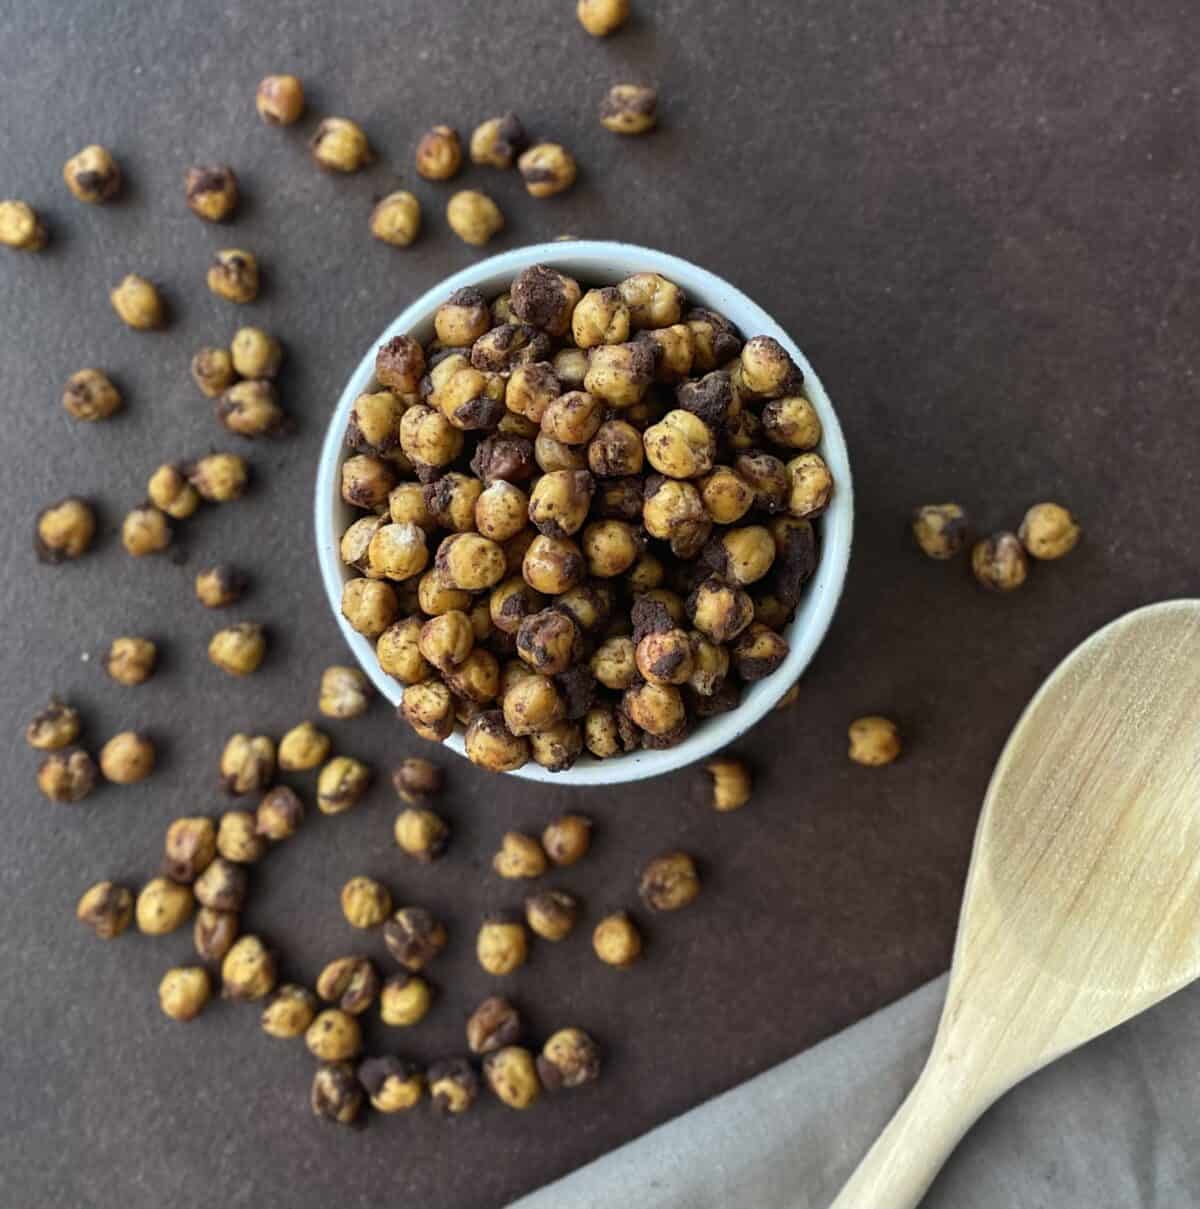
x=978, y=219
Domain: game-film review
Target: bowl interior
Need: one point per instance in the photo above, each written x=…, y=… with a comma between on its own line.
x=601, y=262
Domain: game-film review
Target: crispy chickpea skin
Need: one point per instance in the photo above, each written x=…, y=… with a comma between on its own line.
x=999, y=562
x=494, y=1024
x=64, y=530
x=392, y=1084
x=127, y=758
x=502, y=945
x=811, y=486
x=669, y=882
x=616, y=940
x=106, y=908
x=219, y=586
x=279, y=100
x=758, y=651
x=169, y=491
x=620, y=374
x=345, y=692
x=570, y=1058
x=665, y=657
x=673, y=512
x=614, y=663
x=247, y=763
x=367, y=481
x=369, y=605
x=549, y=642
x=680, y=446
x=490, y=744
x=184, y=992
x=501, y=511
x=238, y=839
x=233, y=275
x=1049, y=531
x=131, y=660
x=874, y=741
x=396, y=219
x=520, y=856
x=21, y=227
x=220, y=477
x=341, y=783
x=530, y=704
x=162, y=906
x=547, y=169
x=250, y=409
x=439, y=154
x=336, y=1095
x=940, y=529
x=405, y=1000
x=511, y=1075
x=92, y=175
x=248, y=971
x=453, y=1085
x=602, y=17
x=552, y=914
x=428, y=707
x=212, y=371
x=214, y=932
x=333, y=1036
x=498, y=141
x=90, y=395
x=145, y=531
x=616, y=450
x=629, y=109
x=137, y=303
x=730, y=782
x=792, y=422
x=280, y=812
x=350, y=982
x=545, y=298
x=54, y=726
x=462, y=318
x=552, y=565
x=473, y=217
x=365, y=902
x=68, y=775
x=189, y=847
x=289, y=1011
x=211, y=191
x=339, y=145
x=222, y=886
x=414, y=937
x=657, y=708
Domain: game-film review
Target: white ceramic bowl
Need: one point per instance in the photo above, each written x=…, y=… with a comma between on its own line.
x=604, y=262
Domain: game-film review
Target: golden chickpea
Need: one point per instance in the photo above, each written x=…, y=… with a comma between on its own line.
x=470, y=399
x=392, y=1084
x=21, y=227
x=614, y=664
x=602, y=733
x=570, y=367
x=727, y=497
x=339, y=145
x=758, y=652
x=256, y=354
x=552, y=565
x=417, y=782
x=289, y=1012
x=427, y=438
x=567, y=839
x=569, y=1059
x=214, y=932
x=398, y=652
x=396, y=219
x=439, y=154
x=742, y=556
x=511, y=602
x=374, y=425
x=397, y=551
x=501, y=511
x=531, y=389
x=350, y=982
x=731, y=784
x=573, y=418
x=552, y=914
x=145, y=531
x=281, y=812
x=453, y=1085
x=64, y=530
x=504, y=348
x=874, y=741
x=616, y=451
x=247, y=763
x=669, y=882
x=629, y=109
x=793, y=422
x=162, y=906
x=414, y=937
x=233, y=275
x=248, y=971
x=557, y=747
x=674, y=512
x=92, y=175
x=767, y=369
x=341, y=783
x=602, y=17
x=665, y=657
x=279, y=100
x=400, y=364
x=250, y=409
x=462, y=318
x=90, y=395
x=54, y=726
x=999, y=563
x=502, y=945
x=421, y=834
x=498, y=141
x=511, y=1075
x=212, y=371
x=428, y=708
x=477, y=678
x=470, y=562
x=544, y=298
x=131, y=660
x=238, y=839
x=127, y=758
x=184, y=992
x=365, y=902
x=520, y=856
x=601, y=317
x=336, y=1094
x=369, y=605
x=940, y=529
x=767, y=478
x=610, y=548
x=552, y=455
x=653, y=301
x=559, y=503
x=222, y=886
x=673, y=348
x=811, y=486
x=620, y=374
x=452, y=500
x=681, y=446
x=491, y=745
x=170, y=492
x=405, y=1000
x=1049, y=531
x=211, y=191
x=549, y=641
x=239, y=649
x=657, y=708
x=220, y=477
x=547, y=169
x=333, y=1036
x=616, y=940
x=710, y=665
x=446, y=640
x=671, y=601
x=137, y=303
x=345, y=692
x=406, y=504
x=189, y=847
x=106, y=908
x=473, y=217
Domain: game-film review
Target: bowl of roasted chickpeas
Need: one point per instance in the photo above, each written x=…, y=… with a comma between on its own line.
x=583, y=513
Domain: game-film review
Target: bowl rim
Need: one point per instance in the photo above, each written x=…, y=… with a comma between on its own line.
x=702, y=287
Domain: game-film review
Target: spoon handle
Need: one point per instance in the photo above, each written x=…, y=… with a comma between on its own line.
x=899, y=1168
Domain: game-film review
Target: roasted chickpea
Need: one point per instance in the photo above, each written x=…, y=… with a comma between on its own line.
x=405, y=1000
x=602, y=734
x=616, y=450
x=793, y=422
x=106, y=908
x=629, y=109
x=681, y=446
x=222, y=886
x=92, y=175
x=470, y=562
x=336, y=1095
x=162, y=906
x=602, y=17
x=1049, y=531
x=233, y=275
x=874, y=741
x=476, y=679
x=811, y=485
x=366, y=481
x=616, y=940
x=369, y=605
x=250, y=409
x=570, y=367
x=453, y=1085
x=54, y=726
x=557, y=747
x=547, y=169
x=715, y=339
x=131, y=660
x=279, y=100
x=710, y=665
x=731, y=784
x=414, y=937
x=940, y=529
x=741, y=556
x=665, y=657
x=281, y=812
x=498, y=141
x=212, y=371
x=289, y=1012
x=339, y=145
x=653, y=301
x=620, y=373
x=610, y=547
x=64, y=530
x=673, y=511
x=531, y=389
x=184, y=992
x=758, y=651
x=657, y=708
x=91, y=395
x=502, y=945
x=427, y=438
x=999, y=563
x=727, y=497
x=21, y=227
x=247, y=763
x=214, y=932
x=396, y=219
x=552, y=455
x=669, y=882
x=406, y=505
x=392, y=1084
x=567, y=839
x=446, y=640
x=558, y=507
x=397, y=551
x=398, y=651
x=169, y=490
x=127, y=758
x=494, y=1024
x=421, y=834
x=356, y=543
x=573, y=418
x=767, y=369
x=399, y=365
x=366, y=903
x=341, y=783
x=520, y=856
x=545, y=298
x=137, y=303
x=439, y=154
x=238, y=839
x=189, y=847
x=490, y=744
x=462, y=318
x=511, y=1074
x=428, y=708
x=767, y=477
x=333, y=1036
x=145, y=531
x=220, y=477
x=601, y=317
x=552, y=914
x=505, y=348
x=673, y=348
x=549, y=641
x=501, y=511
x=211, y=191
x=450, y=501
x=614, y=663
x=469, y=398
x=473, y=217
x=511, y=602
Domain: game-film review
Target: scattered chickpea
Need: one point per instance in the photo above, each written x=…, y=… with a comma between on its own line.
x=214, y=932
x=170, y=492
x=511, y=1074
x=220, y=477
x=92, y=175
x=280, y=812
x=474, y=217
x=602, y=17
x=106, y=908
x=68, y=775
x=137, y=303
x=222, y=886
x=238, y=649
x=616, y=940
x=145, y=531
x=414, y=937
x=547, y=169
x=453, y=1085
x=396, y=219
x=392, y=1084
x=498, y=141
x=405, y=1000
x=339, y=145
x=629, y=109
x=91, y=395
x=570, y=1058
x=1049, y=531
x=345, y=692
x=127, y=758
x=494, y=1024
x=874, y=741
x=256, y=354
x=189, y=847
x=731, y=784
x=417, y=781
x=247, y=763
x=212, y=371
x=64, y=530
x=520, y=856
x=54, y=726
x=289, y=1011
x=350, y=982
x=333, y=1036
x=238, y=839
x=233, y=275
x=248, y=971
x=552, y=914
x=184, y=992
x=502, y=944
x=131, y=660
x=211, y=191
x=421, y=834
x=567, y=839
x=336, y=1095
x=999, y=562
x=365, y=902
x=162, y=906
x=341, y=783
x=439, y=153
x=303, y=747
x=220, y=586
x=279, y=100
x=21, y=227
x=669, y=882
x=940, y=529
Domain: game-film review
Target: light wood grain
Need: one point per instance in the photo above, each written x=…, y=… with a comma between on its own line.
x=1082, y=903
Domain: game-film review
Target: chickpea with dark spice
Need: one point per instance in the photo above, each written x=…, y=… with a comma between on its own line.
x=21, y=227
x=758, y=652
x=90, y=395
x=570, y=1058
x=547, y=169
x=999, y=562
x=502, y=945
x=552, y=914
x=184, y=992
x=414, y=938
x=222, y=886
x=289, y=1012
x=189, y=847
x=127, y=758
x=303, y=747
x=280, y=812
x=369, y=605
x=501, y=511
x=54, y=726
x=474, y=217
x=453, y=1086
x=138, y=303
x=336, y=1094
x=233, y=275
x=665, y=657
x=350, y=982
x=106, y=908
x=396, y=219
x=162, y=906
x=214, y=932
x=248, y=971
x=339, y=145
x=511, y=1075
x=131, y=661
x=602, y=17
x=212, y=371
x=549, y=641
x=545, y=299
x=1049, y=531
x=673, y=511
x=92, y=175
x=531, y=389
x=874, y=741
x=428, y=707
x=940, y=529
x=616, y=940
x=341, y=783
x=405, y=1000
x=601, y=733
x=498, y=141
x=552, y=565
x=494, y=1024
x=211, y=191
x=811, y=486
x=392, y=1084
x=366, y=903
x=220, y=477
x=279, y=100
x=669, y=882
x=428, y=439
x=64, y=530
x=719, y=610
x=247, y=763
x=620, y=374
x=657, y=708
x=681, y=446
x=476, y=679
x=170, y=492
x=520, y=856
x=489, y=743
x=629, y=109
x=333, y=1036
x=439, y=154
x=614, y=664
x=417, y=782
x=219, y=586
x=145, y=531
x=674, y=349
x=238, y=839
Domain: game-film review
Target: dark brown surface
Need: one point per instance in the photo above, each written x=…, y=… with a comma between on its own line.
x=977, y=219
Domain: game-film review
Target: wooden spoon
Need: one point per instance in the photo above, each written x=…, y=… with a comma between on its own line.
x=1082, y=904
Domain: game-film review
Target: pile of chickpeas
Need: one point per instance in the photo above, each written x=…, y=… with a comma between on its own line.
x=587, y=516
